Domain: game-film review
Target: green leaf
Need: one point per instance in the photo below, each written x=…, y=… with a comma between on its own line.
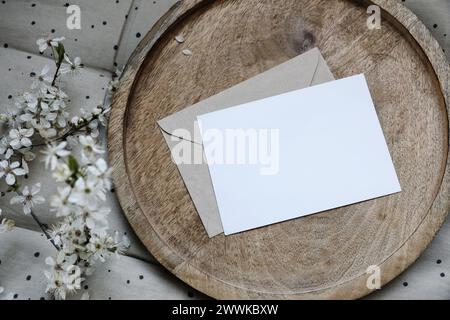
x=73, y=164
x=13, y=188
x=60, y=50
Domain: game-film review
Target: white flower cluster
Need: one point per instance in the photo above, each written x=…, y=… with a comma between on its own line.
x=39, y=113
x=82, y=235
x=39, y=117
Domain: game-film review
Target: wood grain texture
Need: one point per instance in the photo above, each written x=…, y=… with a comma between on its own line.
x=320, y=256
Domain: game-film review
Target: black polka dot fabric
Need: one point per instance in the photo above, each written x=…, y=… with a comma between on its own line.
x=23, y=21
x=140, y=19
x=436, y=16
x=124, y=278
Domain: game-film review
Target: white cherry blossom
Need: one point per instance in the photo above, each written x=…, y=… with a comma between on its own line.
x=21, y=137
x=5, y=148
x=40, y=116
x=102, y=172
x=29, y=198
x=10, y=170
x=53, y=152
x=43, y=81
x=90, y=147
x=85, y=191
x=62, y=172
x=44, y=44
x=72, y=67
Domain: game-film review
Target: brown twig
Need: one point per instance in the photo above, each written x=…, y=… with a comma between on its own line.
x=44, y=230
x=65, y=135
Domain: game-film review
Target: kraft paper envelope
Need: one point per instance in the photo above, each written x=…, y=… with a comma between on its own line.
x=300, y=72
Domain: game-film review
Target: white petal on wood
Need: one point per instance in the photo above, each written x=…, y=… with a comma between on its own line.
x=187, y=52
x=179, y=39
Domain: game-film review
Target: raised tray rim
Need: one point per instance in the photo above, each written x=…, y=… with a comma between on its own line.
x=400, y=260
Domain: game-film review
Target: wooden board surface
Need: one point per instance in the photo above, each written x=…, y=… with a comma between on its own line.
x=320, y=256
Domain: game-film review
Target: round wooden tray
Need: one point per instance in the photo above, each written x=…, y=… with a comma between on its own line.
x=319, y=256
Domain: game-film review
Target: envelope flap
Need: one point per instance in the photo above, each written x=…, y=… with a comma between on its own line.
x=308, y=69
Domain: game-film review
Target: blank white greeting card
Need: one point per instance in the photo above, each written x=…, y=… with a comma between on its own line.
x=296, y=154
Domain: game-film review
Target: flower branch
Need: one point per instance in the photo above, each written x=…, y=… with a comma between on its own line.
x=40, y=117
